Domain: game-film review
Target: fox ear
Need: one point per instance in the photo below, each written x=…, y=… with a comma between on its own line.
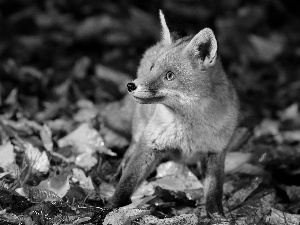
x=203, y=46
x=165, y=33
x=170, y=32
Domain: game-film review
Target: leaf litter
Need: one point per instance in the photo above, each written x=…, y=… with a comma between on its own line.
x=64, y=63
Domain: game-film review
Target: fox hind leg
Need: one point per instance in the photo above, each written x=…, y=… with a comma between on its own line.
x=212, y=166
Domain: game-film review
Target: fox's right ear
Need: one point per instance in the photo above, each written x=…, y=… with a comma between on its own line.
x=170, y=32
x=165, y=33
x=203, y=47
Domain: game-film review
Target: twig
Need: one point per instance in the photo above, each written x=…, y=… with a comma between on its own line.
x=58, y=155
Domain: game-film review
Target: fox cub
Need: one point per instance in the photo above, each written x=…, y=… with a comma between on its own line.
x=187, y=112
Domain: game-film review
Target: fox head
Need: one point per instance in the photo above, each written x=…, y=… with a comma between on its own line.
x=178, y=70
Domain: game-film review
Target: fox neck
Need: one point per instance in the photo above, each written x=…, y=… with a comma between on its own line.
x=188, y=112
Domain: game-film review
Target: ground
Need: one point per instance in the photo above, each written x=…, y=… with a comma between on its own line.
x=63, y=62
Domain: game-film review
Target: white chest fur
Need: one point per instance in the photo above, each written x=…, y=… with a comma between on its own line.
x=166, y=131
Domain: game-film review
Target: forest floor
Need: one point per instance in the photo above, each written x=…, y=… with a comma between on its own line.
x=63, y=62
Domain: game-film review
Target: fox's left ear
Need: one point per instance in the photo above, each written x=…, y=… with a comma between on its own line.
x=203, y=46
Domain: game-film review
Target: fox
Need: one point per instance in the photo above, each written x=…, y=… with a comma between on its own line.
x=185, y=109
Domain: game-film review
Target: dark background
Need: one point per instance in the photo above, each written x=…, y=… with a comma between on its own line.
x=43, y=44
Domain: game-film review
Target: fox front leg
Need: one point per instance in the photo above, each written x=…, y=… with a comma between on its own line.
x=140, y=165
x=213, y=170
x=129, y=152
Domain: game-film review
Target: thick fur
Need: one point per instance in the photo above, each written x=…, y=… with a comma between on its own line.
x=188, y=118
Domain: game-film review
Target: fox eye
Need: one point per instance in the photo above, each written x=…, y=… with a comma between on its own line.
x=170, y=76
x=152, y=65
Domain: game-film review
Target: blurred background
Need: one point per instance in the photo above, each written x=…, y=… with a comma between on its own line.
x=63, y=61
x=67, y=50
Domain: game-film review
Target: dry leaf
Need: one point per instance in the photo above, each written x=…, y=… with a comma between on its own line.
x=85, y=140
x=37, y=195
x=87, y=111
x=37, y=160
x=267, y=127
x=234, y=160
x=256, y=208
x=84, y=182
x=81, y=66
x=3, y=174
x=46, y=136
x=241, y=195
x=291, y=136
x=58, y=184
x=184, y=219
x=278, y=217
x=7, y=160
x=86, y=161
x=7, y=155
x=171, y=168
x=290, y=113
x=293, y=192
x=176, y=177
x=267, y=49
x=124, y=216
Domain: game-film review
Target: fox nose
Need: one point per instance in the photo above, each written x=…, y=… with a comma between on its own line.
x=131, y=87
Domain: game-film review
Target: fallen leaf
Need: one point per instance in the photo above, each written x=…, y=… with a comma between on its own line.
x=234, y=160
x=7, y=160
x=249, y=169
x=293, y=192
x=46, y=136
x=184, y=219
x=86, y=161
x=87, y=111
x=85, y=140
x=124, y=216
x=37, y=160
x=290, y=113
x=278, y=217
x=60, y=125
x=291, y=136
x=58, y=184
x=267, y=48
x=11, y=99
x=256, y=208
x=3, y=174
x=7, y=155
x=37, y=195
x=84, y=182
x=176, y=177
x=81, y=66
x=171, y=168
x=241, y=195
x=267, y=127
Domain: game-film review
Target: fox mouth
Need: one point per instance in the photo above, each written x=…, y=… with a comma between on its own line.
x=146, y=98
